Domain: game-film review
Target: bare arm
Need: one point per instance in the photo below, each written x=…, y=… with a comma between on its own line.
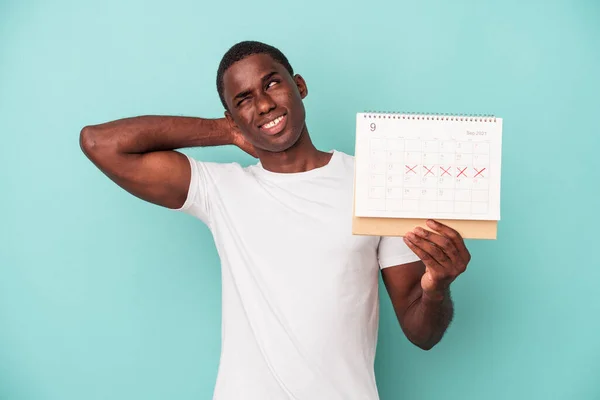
x=420, y=291
x=138, y=153
x=423, y=319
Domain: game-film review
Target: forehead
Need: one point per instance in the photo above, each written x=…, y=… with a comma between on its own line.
x=243, y=74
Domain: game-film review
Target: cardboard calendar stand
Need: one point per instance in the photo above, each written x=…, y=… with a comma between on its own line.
x=399, y=227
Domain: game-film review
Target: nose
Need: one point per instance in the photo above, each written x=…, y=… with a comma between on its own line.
x=264, y=104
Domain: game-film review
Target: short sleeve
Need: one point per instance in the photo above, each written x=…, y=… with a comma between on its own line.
x=393, y=251
x=197, y=203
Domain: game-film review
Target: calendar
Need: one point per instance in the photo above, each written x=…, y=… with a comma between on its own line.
x=427, y=166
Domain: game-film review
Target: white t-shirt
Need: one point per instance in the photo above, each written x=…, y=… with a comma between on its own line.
x=300, y=292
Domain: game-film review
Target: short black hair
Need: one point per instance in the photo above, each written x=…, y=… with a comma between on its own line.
x=241, y=50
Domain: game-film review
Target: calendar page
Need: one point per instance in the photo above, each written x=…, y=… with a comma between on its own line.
x=427, y=166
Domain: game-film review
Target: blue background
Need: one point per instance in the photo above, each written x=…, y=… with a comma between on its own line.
x=103, y=296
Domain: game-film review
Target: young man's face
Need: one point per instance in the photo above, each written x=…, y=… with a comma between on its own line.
x=265, y=102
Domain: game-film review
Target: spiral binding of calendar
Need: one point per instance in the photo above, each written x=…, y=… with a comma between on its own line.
x=373, y=114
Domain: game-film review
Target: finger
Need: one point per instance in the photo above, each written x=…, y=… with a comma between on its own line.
x=430, y=249
x=435, y=274
x=422, y=254
x=451, y=234
x=443, y=242
x=433, y=269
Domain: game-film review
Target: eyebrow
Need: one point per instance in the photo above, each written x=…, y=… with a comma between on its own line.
x=268, y=76
x=245, y=93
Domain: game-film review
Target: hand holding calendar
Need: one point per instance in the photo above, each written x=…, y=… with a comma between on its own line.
x=444, y=254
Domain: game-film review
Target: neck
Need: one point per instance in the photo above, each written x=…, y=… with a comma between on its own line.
x=301, y=157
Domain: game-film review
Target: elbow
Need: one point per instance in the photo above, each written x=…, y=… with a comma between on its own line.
x=425, y=346
x=95, y=143
x=88, y=140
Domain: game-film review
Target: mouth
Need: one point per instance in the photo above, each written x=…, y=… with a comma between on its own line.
x=274, y=126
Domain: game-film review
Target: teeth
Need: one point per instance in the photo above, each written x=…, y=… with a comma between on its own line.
x=274, y=122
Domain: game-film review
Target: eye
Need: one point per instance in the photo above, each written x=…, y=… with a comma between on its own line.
x=271, y=83
x=239, y=103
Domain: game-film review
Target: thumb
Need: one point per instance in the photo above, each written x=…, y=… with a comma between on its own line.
x=427, y=282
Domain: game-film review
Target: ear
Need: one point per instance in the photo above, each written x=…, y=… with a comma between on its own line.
x=301, y=84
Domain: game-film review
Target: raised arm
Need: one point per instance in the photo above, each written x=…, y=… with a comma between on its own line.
x=138, y=153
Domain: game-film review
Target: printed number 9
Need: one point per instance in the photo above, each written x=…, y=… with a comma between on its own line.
x=373, y=126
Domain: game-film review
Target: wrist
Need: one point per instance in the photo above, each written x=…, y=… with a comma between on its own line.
x=224, y=130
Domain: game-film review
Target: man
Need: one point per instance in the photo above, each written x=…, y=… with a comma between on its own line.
x=300, y=292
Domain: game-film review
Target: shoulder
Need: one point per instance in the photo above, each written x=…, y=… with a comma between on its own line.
x=345, y=160
x=345, y=157
x=214, y=171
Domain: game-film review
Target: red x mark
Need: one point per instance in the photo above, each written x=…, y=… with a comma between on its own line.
x=429, y=170
x=461, y=172
x=479, y=172
x=446, y=171
x=409, y=169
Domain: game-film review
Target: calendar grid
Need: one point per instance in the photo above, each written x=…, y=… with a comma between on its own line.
x=429, y=176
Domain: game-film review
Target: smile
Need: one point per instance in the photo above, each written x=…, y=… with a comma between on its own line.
x=274, y=122
x=275, y=126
